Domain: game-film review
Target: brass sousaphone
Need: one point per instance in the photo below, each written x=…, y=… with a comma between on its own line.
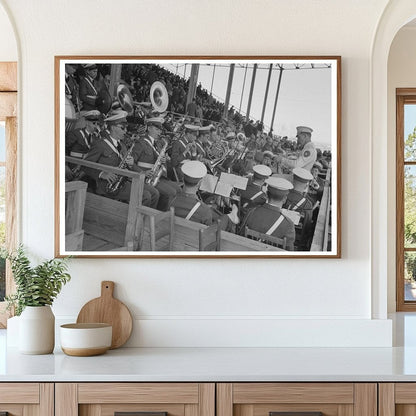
x=125, y=99
x=159, y=97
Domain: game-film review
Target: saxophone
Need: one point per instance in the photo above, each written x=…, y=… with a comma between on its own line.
x=158, y=168
x=113, y=188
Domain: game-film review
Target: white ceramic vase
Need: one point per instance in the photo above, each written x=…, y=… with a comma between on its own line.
x=37, y=330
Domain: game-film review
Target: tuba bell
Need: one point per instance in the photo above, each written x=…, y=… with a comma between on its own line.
x=125, y=99
x=159, y=97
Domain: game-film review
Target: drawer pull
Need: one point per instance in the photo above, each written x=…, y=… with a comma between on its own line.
x=140, y=414
x=295, y=414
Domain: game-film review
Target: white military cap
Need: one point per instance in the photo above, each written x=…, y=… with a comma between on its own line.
x=278, y=186
x=318, y=165
x=302, y=175
x=92, y=115
x=303, y=129
x=262, y=171
x=191, y=127
x=268, y=153
x=117, y=117
x=230, y=135
x=155, y=121
x=205, y=129
x=193, y=171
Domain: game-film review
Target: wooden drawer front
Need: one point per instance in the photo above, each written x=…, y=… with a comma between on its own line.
x=27, y=399
x=264, y=410
x=405, y=393
x=138, y=393
x=104, y=399
x=293, y=393
x=19, y=393
x=397, y=399
x=332, y=399
x=110, y=409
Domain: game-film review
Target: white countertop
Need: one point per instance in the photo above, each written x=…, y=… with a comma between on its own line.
x=215, y=364
x=222, y=364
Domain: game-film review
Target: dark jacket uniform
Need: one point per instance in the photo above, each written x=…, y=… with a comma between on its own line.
x=144, y=152
x=252, y=196
x=263, y=217
x=183, y=204
x=72, y=91
x=78, y=143
x=296, y=201
x=145, y=155
x=200, y=150
x=178, y=147
x=176, y=157
x=102, y=152
x=88, y=91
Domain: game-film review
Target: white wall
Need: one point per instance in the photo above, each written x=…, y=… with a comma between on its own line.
x=212, y=302
x=401, y=74
x=8, y=46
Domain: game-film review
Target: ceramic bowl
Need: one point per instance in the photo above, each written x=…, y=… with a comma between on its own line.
x=83, y=340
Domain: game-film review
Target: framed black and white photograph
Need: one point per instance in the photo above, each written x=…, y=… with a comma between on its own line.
x=198, y=156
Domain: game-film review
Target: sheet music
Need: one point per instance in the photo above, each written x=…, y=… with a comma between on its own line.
x=236, y=181
x=292, y=215
x=223, y=189
x=208, y=184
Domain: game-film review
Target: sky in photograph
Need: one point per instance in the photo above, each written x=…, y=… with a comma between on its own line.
x=304, y=97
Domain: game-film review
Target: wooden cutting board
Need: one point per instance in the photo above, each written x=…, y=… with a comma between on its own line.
x=107, y=309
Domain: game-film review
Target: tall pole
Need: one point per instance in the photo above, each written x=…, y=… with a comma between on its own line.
x=267, y=92
x=253, y=81
x=277, y=96
x=212, y=81
x=193, y=80
x=115, y=75
x=184, y=71
x=242, y=91
x=229, y=86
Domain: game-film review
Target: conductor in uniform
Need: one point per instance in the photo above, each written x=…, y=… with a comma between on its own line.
x=145, y=154
x=268, y=218
x=306, y=151
x=111, y=151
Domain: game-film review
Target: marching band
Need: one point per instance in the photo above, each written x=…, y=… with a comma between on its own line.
x=254, y=184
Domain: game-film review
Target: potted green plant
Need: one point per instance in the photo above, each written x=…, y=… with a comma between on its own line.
x=36, y=289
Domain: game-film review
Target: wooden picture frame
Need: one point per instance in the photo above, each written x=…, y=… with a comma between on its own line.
x=282, y=112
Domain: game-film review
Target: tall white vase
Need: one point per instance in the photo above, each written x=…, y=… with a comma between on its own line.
x=37, y=330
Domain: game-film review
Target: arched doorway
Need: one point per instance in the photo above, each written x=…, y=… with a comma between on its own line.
x=396, y=15
x=8, y=150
